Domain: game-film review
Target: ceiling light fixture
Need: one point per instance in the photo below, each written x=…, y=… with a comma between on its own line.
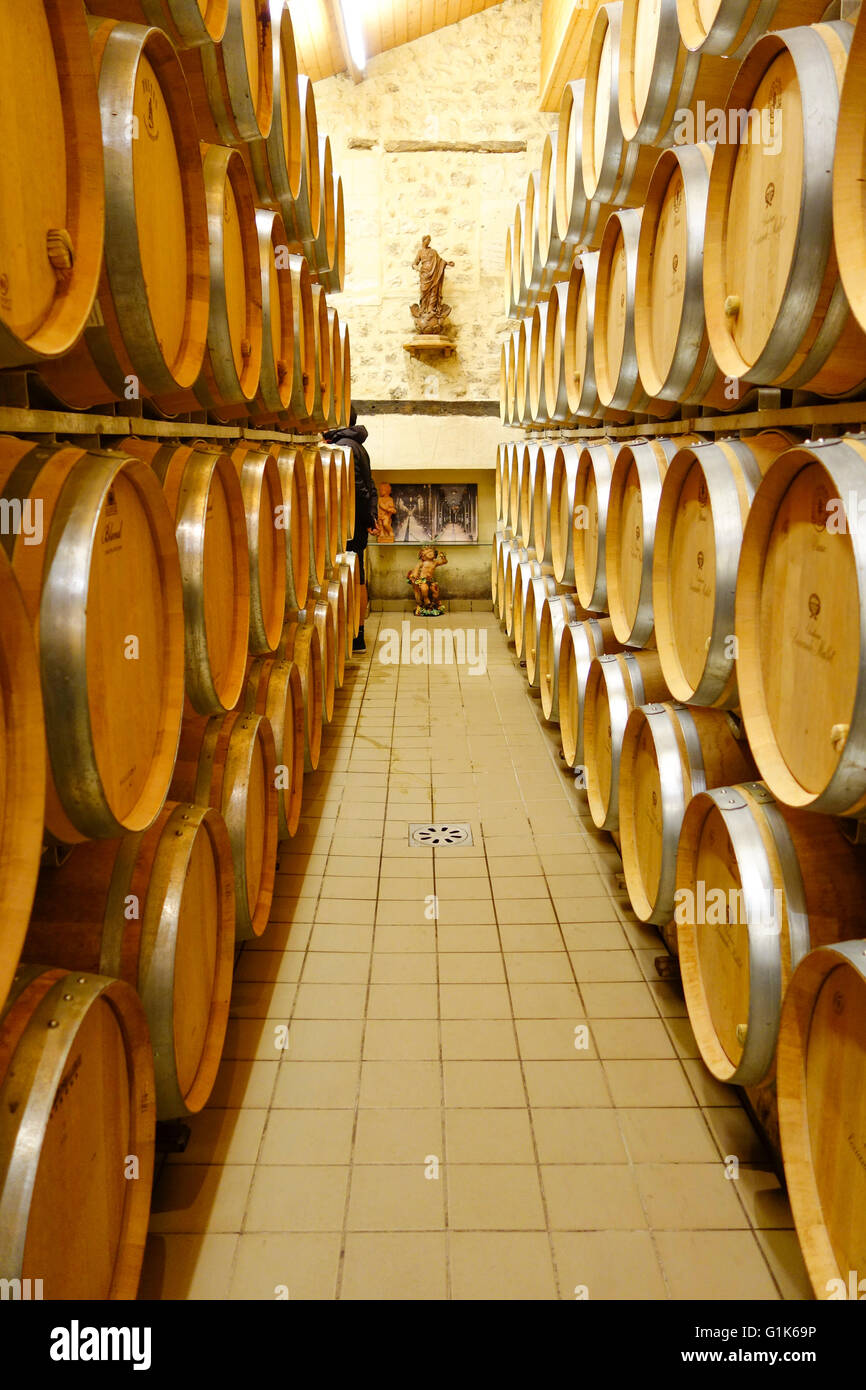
x=351, y=12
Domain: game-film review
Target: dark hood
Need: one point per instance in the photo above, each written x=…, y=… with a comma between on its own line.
x=358, y=433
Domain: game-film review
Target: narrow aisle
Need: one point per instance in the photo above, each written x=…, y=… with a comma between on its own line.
x=487, y=1091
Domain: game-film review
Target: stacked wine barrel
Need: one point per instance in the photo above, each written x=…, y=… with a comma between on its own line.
x=177, y=217
x=166, y=603
x=659, y=259
x=690, y=612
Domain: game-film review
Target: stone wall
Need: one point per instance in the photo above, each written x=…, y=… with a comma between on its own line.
x=439, y=138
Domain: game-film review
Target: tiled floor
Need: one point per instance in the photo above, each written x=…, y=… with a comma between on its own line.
x=487, y=1092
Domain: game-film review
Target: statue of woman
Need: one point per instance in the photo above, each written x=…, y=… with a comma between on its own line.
x=430, y=310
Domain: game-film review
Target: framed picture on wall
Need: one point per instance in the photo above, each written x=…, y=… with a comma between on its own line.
x=419, y=513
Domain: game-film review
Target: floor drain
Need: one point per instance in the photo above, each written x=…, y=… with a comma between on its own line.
x=455, y=833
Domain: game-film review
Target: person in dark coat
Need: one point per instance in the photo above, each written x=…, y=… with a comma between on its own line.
x=366, y=505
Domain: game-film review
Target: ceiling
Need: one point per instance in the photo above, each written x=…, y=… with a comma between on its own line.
x=386, y=24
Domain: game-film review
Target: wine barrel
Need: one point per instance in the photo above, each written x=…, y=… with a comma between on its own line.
x=276, y=160
x=300, y=644
x=76, y=1104
x=799, y=627
x=539, y=411
x=348, y=561
x=589, y=523
x=334, y=278
x=562, y=513
x=520, y=464
x=502, y=454
x=579, y=218
x=776, y=310
x=615, y=168
x=263, y=502
x=52, y=190
x=579, y=338
x=349, y=489
x=555, y=254
x=615, y=685
x=325, y=244
x=668, y=754
x=331, y=593
x=500, y=537
x=511, y=376
x=514, y=557
x=205, y=498
x=510, y=546
x=556, y=614
x=582, y=642
x=821, y=1115
x=304, y=371
x=533, y=266
x=617, y=378
x=295, y=521
x=158, y=911
x=22, y=756
x=730, y=27
x=633, y=503
x=540, y=589
x=322, y=383
x=107, y=616
x=705, y=499
x=335, y=349
x=347, y=384
x=232, y=82
x=330, y=470
x=273, y=689
x=320, y=615
x=555, y=385
x=274, y=394
x=188, y=23
x=545, y=467
x=146, y=335
x=758, y=885
x=520, y=413
x=229, y=762
x=660, y=81
x=527, y=570
x=849, y=212
x=508, y=278
x=519, y=287
x=344, y=575
x=307, y=205
x=673, y=350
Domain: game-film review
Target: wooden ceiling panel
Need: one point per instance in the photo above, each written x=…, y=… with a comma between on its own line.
x=387, y=24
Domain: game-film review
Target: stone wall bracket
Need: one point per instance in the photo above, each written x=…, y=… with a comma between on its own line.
x=421, y=343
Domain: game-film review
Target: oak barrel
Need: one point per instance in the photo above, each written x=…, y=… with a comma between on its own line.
x=204, y=495
x=589, y=523
x=616, y=169
x=730, y=27
x=849, y=204
x=307, y=204
x=188, y=23
x=668, y=754
x=617, y=377
x=158, y=911
x=315, y=513
x=300, y=643
x=673, y=350
x=276, y=379
x=557, y=613
x=615, y=685
x=263, y=504
x=273, y=689
x=799, y=624
x=107, y=617
x=52, y=188
x=320, y=615
x=705, y=499
x=660, y=82
x=758, y=885
x=527, y=570
x=822, y=1115
x=295, y=521
x=776, y=310
x=146, y=335
x=229, y=762
x=232, y=82
x=331, y=592
x=77, y=1104
x=276, y=160
x=304, y=340
x=582, y=642
x=348, y=561
x=633, y=503
x=541, y=588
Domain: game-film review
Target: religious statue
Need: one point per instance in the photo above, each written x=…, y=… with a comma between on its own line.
x=385, y=528
x=423, y=581
x=430, y=313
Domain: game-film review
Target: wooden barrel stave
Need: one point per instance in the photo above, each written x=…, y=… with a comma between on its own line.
x=232, y=82
x=274, y=689
x=582, y=642
x=589, y=523
x=263, y=500
x=558, y=612
x=300, y=643
x=615, y=685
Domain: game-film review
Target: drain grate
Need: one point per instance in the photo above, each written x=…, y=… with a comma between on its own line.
x=454, y=833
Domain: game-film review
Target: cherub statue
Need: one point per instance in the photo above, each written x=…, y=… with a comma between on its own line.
x=385, y=528
x=423, y=581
